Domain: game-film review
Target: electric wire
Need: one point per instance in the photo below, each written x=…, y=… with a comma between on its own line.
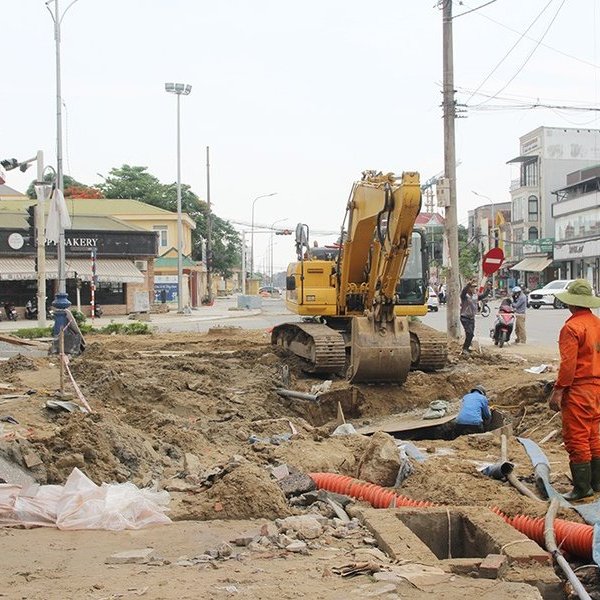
x=510, y=50
x=531, y=53
x=473, y=9
x=565, y=54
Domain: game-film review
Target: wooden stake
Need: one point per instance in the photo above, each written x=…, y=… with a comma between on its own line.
x=341, y=419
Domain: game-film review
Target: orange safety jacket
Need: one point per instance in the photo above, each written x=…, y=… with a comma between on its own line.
x=579, y=345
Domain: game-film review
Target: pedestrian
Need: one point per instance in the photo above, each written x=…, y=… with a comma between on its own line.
x=576, y=391
x=474, y=412
x=468, y=310
x=520, y=307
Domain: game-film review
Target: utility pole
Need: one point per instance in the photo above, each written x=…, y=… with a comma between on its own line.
x=451, y=224
x=208, y=232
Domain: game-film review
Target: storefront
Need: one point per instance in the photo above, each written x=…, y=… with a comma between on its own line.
x=122, y=259
x=579, y=260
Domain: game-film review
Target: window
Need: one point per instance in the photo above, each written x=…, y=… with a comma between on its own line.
x=533, y=233
x=163, y=235
x=532, y=208
x=529, y=174
x=517, y=209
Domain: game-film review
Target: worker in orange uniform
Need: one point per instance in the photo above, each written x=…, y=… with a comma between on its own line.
x=577, y=389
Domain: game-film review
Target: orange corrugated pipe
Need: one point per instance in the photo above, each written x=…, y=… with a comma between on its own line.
x=574, y=538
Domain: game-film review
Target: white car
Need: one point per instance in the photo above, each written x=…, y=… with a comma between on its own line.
x=433, y=302
x=545, y=296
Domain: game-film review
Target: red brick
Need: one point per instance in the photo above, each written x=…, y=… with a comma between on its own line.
x=492, y=566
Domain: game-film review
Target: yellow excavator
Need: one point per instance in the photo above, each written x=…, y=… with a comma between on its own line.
x=356, y=298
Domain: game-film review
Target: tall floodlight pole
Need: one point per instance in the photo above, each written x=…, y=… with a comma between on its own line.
x=252, y=232
x=209, y=266
x=451, y=221
x=61, y=301
x=179, y=89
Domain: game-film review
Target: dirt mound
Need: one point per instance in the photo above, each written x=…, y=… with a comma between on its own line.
x=16, y=364
x=247, y=492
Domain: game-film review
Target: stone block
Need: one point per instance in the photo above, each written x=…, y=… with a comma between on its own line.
x=493, y=566
x=131, y=557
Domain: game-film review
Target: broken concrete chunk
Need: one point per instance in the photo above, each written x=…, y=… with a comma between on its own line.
x=131, y=557
x=191, y=463
x=493, y=566
x=380, y=462
x=70, y=461
x=297, y=546
x=32, y=459
x=296, y=484
x=280, y=472
x=306, y=526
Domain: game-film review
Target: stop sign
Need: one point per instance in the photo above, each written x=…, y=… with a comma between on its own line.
x=492, y=261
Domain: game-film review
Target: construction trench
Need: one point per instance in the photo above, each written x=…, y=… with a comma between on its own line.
x=264, y=500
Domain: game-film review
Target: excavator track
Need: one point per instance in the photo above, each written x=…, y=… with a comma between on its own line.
x=429, y=348
x=322, y=347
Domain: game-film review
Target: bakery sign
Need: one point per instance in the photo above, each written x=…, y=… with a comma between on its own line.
x=77, y=242
x=573, y=250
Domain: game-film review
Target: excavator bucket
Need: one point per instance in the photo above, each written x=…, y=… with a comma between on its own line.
x=380, y=352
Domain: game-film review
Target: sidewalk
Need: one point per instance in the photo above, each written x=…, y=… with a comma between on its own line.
x=223, y=308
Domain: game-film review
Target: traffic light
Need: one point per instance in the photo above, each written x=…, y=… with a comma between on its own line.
x=31, y=232
x=284, y=232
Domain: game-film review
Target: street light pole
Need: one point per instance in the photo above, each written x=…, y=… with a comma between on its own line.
x=179, y=89
x=252, y=232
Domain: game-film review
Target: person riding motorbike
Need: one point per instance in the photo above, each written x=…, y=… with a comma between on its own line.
x=505, y=322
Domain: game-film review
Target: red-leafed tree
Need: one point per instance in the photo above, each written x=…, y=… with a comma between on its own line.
x=83, y=191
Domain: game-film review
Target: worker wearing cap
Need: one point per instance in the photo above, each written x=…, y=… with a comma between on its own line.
x=474, y=412
x=519, y=305
x=577, y=389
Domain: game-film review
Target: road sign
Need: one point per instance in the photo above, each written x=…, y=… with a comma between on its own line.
x=492, y=261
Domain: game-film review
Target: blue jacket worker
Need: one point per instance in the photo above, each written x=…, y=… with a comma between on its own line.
x=474, y=412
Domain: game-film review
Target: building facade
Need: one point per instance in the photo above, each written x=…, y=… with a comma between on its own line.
x=576, y=215
x=547, y=155
x=129, y=231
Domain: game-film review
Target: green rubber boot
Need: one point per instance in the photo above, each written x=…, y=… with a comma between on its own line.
x=596, y=474
x=582, y=482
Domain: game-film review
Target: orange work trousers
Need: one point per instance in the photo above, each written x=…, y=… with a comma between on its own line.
x=581, y=422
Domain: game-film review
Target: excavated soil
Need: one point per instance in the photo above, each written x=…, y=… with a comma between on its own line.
x=213, y=396
x=199, y=415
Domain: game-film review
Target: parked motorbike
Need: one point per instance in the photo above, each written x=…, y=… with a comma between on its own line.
x=31, y=310
x=504, y=325
x=98, y=312
x=11, y=311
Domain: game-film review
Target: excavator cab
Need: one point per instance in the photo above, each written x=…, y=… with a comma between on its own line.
x=412, y=287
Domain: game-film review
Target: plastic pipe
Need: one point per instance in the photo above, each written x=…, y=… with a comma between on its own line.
x=512, y=479
x=499, y=470
x=550, y=540
x=574, y=538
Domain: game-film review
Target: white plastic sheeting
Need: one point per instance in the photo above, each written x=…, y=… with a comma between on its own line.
x=81, y=504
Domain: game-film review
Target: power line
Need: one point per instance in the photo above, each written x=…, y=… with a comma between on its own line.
x=566, y=54
x=472, y=9
x=531, y=53
x=510, y=50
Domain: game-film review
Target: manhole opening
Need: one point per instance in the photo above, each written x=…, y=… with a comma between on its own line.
x=466, y=539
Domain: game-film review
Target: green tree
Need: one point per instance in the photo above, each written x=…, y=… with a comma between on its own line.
x=468, y=254
x=135, y=182
x=68, y=182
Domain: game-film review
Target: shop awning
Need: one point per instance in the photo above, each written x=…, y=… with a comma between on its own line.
x=533, y=264
x=114, y=270
x=17, y=269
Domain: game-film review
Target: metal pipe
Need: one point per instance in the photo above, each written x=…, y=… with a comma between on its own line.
x=551, y=546
x=295, y=394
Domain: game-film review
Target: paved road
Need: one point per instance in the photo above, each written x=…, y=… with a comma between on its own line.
x=543, y=325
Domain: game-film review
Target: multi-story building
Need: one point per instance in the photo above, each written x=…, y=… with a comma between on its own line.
x=547, y=155
x=577, y=226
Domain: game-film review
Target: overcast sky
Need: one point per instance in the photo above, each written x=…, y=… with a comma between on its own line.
x=292, y=97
